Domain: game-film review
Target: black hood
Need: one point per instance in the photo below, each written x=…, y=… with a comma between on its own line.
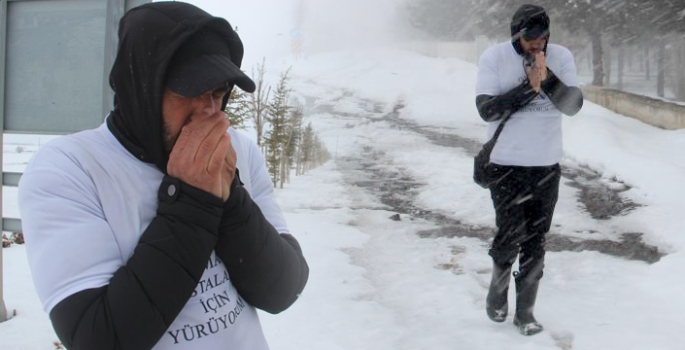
x=528, y=17
x=149, y=35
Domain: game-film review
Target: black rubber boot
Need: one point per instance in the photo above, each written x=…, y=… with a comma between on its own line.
x=526, y=293
x=496, y=304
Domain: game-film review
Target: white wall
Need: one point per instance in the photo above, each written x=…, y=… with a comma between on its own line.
x=655, y=112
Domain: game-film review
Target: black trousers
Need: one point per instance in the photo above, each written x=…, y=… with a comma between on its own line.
x=524, y=201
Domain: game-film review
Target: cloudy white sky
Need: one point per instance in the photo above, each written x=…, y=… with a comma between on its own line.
x=267, y=26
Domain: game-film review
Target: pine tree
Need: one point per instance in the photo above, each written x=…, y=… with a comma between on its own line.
x=277, y=117
x=311, y=152
x=306, y=148
x=321, y=154
x=292, y=138
x=238, y=108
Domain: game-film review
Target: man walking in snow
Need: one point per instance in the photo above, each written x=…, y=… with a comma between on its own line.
x=159, y=229
x=532, y=82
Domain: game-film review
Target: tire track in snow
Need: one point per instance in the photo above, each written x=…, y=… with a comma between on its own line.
x=396, y=189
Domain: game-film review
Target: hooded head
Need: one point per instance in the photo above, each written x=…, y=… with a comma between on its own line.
x=168, y=45
x=529, y=22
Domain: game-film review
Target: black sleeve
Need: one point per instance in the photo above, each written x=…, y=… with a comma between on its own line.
x=493, y=108
x=267, y=268
x=144, y=297
x=568, y=99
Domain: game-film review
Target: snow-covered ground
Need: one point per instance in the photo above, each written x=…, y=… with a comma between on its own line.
x=378, y=283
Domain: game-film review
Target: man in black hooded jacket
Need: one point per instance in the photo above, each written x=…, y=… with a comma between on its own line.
x=159, y=229
x=529, y=83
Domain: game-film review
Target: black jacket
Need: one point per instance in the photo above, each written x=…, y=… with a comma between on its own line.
x=145, y=296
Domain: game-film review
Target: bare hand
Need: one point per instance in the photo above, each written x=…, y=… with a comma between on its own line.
x=537, y=73
x=199, y=155
x=228, y=171
x=541, y=65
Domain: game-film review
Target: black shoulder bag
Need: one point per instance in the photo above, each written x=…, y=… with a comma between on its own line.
x=485, y=173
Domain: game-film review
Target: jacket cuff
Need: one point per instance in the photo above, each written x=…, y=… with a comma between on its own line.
x=189, y=204
x=236, y=209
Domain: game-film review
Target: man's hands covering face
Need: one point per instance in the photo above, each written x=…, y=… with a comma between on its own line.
x=203, y=156
x=537, y=73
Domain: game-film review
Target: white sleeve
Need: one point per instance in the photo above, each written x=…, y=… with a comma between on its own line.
x=69, y=244
x=263, y=188
x=568, y=74
x=487, y=81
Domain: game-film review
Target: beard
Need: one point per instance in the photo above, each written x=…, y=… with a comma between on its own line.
x=169, y=138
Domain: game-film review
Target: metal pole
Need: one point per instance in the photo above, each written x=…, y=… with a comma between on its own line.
x=3, y=309
x=3, y=38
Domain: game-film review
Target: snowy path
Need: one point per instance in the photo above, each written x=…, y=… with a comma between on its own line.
x=426, y=270
x=395, y=186
x=376, y=284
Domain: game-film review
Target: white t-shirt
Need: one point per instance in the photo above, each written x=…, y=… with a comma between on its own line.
x=84, y=217
x=532, y=136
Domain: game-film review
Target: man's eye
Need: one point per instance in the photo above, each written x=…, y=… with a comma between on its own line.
x=219, y=94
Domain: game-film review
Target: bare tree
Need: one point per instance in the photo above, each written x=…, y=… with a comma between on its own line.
x=259, y=100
